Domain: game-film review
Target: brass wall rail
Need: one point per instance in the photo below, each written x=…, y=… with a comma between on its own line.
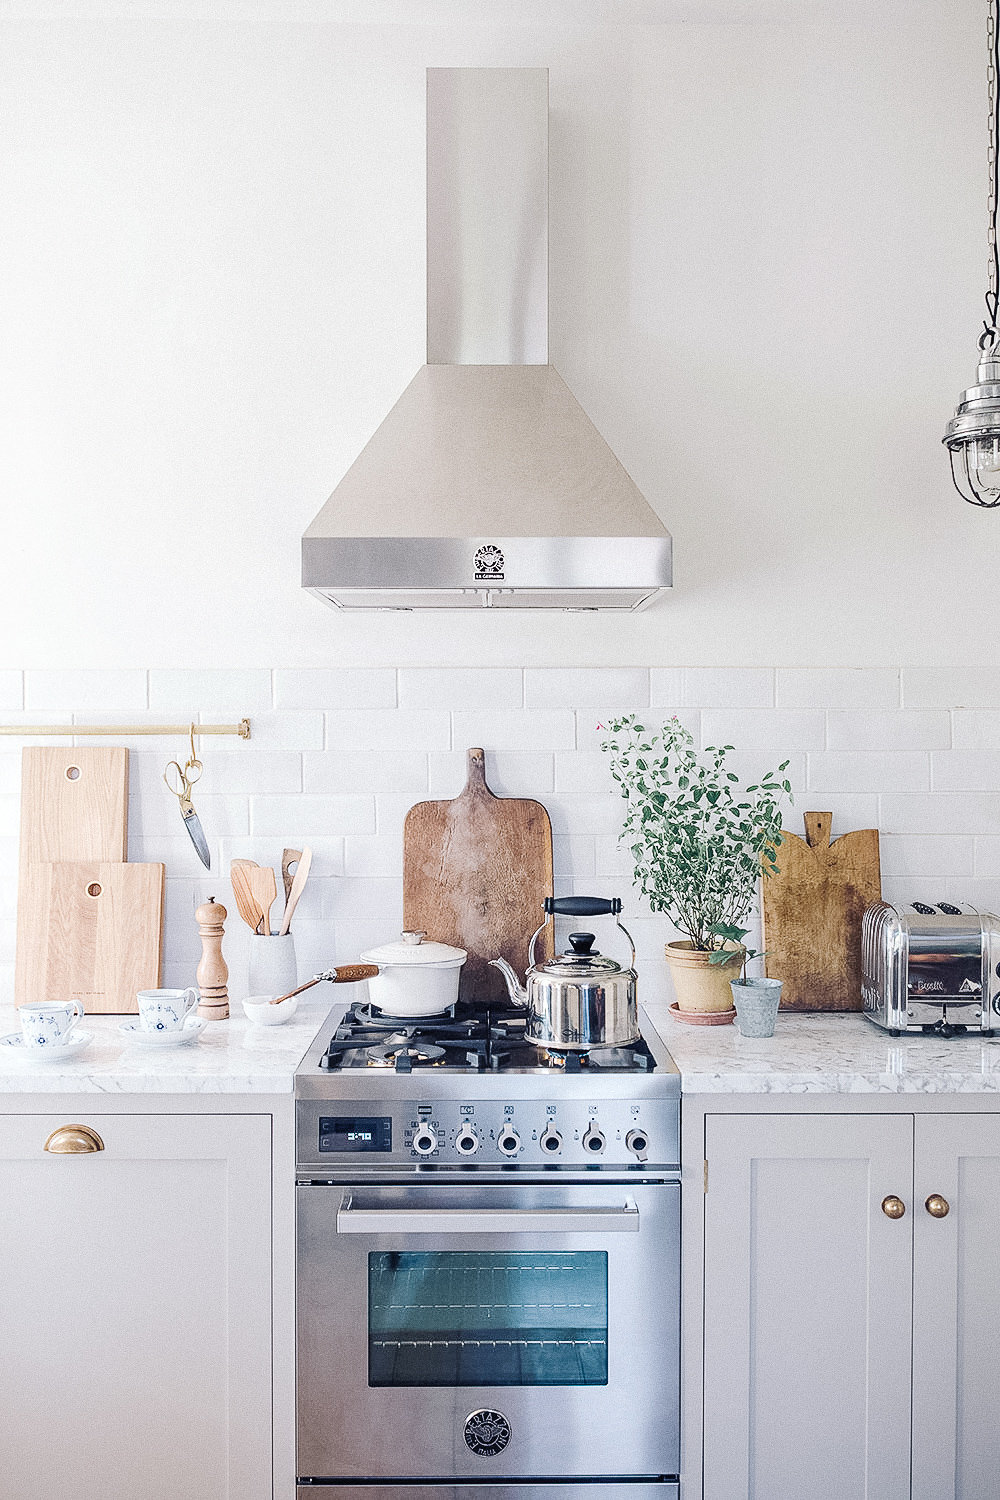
x=88, y=731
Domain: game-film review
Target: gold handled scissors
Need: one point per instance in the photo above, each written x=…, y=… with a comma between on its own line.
x=180, y=780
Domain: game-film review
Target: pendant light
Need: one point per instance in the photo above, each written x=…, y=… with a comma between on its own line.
x=973, y=434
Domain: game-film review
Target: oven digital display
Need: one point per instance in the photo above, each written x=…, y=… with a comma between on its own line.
x=370, y=1133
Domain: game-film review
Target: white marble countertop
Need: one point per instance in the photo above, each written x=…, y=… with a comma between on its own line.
x=826, y=1054
x=229, y=1057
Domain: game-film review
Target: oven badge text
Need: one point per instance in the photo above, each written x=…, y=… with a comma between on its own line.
x=487, y=1433
x=489, y=564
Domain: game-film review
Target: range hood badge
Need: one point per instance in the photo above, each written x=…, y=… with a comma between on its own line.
x=487, y=452
x=489, y=564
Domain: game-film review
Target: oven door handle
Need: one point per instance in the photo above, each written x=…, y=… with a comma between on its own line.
x=623, y=1220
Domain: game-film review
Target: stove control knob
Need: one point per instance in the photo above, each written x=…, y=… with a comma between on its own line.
x=509, y=1142
x=637, y=1142
x=425, y=1141
x=593, y=1140
x=551, y=1141
x=467, y=1141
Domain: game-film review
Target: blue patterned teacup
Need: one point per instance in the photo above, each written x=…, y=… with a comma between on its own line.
x=165, y=1010
x=50, y=1024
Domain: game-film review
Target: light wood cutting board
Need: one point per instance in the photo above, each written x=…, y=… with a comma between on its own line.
x=812, y=912
x=94, y=931
x=74, y=807
x=476, y=871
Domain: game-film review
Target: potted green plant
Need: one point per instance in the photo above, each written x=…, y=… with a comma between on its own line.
x=699, y=842
x=756, y=1000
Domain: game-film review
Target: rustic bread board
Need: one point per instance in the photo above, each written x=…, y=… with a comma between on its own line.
x=812, y=912
x=476, y=871
x=93, y=931
x=74, y=807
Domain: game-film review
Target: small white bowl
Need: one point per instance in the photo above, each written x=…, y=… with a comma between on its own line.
x=259, y=1009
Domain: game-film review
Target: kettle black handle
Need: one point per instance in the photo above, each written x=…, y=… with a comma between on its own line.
x=582, y=906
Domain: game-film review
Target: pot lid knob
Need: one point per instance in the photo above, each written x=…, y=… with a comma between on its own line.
x=582, y=945
x=413, y=938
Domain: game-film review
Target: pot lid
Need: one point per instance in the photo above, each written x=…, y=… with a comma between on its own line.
x=583, y=962
x=412, y=950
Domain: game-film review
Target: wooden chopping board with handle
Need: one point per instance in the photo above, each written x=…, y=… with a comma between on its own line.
x=93, y=931
x=812, y=910
x=476, y=871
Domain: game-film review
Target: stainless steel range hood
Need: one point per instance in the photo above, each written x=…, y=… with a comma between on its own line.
x=487, y=484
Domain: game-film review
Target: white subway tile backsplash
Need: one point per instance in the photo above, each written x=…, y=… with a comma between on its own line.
x=298, y=819
x=986, y=860
x=585, y=771
x=368, y=854
x=579, y=687
x=950, y=687
x=902, y=890
x=837, y=687
x=520, y=729
x=14, y=744
x=461, y=687
x=976, y=729
x=350, y=770
x=86, y=689
x=390, y=814
x=785, y=731
x=237, y=691
x=573, y=857
x=592, y=725
x=509, y=773
x=11, y=690
x=850, y=810
x=938, y=855
x=883, y=729
x=10, y=773
x=387, y=729
x=729, y=687
x=869, y=771
x=666, y=686
x=334, y=687
x=287, y=731
x=942, y=812
x=224, y=774
x=327, y=853
x=984, y=894
x=362, y=897
x=612, y=859
x=597, y=814
x=353, y=936
x=966, y=771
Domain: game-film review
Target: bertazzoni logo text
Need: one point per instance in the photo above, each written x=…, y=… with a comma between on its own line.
x=489, y=564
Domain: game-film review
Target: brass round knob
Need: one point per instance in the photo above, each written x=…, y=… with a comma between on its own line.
x=74, y=1139
x=937, y=1206
x=893, y=1207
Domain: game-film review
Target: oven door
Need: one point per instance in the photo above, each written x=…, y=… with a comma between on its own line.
x=488, y=1332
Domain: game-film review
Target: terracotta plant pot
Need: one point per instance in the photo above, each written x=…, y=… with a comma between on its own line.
x=700, y=985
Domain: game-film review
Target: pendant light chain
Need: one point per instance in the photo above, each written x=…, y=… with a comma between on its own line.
x=989, y=335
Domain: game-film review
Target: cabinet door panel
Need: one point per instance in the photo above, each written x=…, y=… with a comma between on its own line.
x=956, y=1317
x=134, y=1317
x=807, y=1308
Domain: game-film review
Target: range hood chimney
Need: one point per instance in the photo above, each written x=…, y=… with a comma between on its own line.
x=487, y=484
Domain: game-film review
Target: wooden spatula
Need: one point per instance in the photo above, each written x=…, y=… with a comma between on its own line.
x=265, y=892
x=301, y=876
x=246, y=902
x=289, y=857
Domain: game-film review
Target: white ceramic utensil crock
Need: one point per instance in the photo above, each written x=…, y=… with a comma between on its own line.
x=414, y=978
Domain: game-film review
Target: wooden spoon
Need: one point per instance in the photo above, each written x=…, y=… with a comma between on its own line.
x=301, y=876
x=246, y=902
x=265, y=892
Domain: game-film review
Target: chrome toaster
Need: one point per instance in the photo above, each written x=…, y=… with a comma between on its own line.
x=931, y=969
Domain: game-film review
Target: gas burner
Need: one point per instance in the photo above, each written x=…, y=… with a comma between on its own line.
x=361, y=1014
x=570, y=1061
x=405, y=1050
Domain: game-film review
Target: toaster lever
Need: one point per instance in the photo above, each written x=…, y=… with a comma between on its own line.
x=923, y=909
x=949, y=910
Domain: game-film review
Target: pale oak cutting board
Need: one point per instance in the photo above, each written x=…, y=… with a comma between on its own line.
x=812, y=912
x=476, y=871
x=94, y=931
x=74, y=807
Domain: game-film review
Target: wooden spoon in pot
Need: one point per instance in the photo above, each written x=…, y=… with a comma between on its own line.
x=301, y=876
x=249, y=910
x=265, y=892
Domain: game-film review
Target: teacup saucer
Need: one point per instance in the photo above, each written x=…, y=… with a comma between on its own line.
x=190, y=1032
x=15, y=1044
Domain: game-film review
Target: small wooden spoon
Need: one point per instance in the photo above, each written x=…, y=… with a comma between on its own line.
x=289, y=857
x=301, y=876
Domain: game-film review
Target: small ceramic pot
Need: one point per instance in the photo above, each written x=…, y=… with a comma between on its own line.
x=701, y=985
x=757, y=1006
x=272, y=969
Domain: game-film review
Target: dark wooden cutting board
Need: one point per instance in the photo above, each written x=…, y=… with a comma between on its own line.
x=476, y=871
x=812, y=912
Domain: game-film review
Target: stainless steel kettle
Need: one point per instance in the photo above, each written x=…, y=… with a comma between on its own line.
x=580, y=999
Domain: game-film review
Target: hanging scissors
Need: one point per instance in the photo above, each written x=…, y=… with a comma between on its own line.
x=180, y=781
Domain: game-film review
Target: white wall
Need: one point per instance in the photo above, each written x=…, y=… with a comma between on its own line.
x=767, y=265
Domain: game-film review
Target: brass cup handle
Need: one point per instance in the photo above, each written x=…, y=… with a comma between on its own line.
x=893, y=1207
x=71, y=1140
x=937, y=1206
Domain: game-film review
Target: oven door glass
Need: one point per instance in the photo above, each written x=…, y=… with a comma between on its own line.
x=487, y=1317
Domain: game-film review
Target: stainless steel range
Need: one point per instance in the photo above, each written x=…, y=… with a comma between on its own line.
x=488, y=1244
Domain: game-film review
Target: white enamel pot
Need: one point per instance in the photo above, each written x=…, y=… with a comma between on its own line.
x=414, y=978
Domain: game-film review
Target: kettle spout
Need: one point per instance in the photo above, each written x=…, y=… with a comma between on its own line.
x=516, y=990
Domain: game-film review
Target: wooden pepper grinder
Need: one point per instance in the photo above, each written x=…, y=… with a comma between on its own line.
x=213, y=972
